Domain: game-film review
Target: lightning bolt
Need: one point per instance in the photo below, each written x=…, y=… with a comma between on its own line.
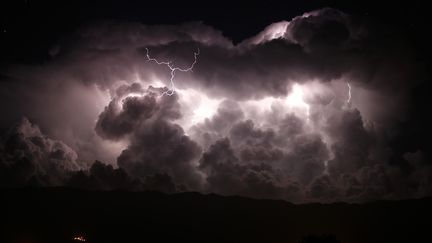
x=171, y=89
x=349, y=93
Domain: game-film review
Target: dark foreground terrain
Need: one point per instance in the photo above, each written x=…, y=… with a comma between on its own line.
x=59, y=215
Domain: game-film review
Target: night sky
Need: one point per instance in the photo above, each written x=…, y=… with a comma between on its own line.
x=307, y=101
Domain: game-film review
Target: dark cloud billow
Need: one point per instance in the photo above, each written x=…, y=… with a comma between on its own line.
x=357, y=150
x=28, y=157
x=157, y=146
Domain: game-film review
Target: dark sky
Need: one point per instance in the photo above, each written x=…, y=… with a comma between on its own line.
x=30, y=27
x=301, y=100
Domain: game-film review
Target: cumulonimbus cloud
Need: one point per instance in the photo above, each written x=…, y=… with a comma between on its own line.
x=270, y=117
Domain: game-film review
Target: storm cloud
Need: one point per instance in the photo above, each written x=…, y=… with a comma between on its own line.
x=310, y=109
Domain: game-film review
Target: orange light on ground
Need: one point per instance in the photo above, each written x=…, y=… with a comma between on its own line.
x=79, y=238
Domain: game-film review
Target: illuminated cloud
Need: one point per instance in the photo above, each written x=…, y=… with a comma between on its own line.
x=309, y=109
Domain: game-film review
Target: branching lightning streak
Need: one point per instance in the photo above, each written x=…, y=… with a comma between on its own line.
x=349, y=93
x=171, y=89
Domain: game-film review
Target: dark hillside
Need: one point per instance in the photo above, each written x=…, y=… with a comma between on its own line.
x=59, y=215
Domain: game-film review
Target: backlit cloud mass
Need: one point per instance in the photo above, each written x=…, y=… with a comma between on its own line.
x=309, y=109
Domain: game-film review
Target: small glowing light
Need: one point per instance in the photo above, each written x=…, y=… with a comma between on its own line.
x=79, y=238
